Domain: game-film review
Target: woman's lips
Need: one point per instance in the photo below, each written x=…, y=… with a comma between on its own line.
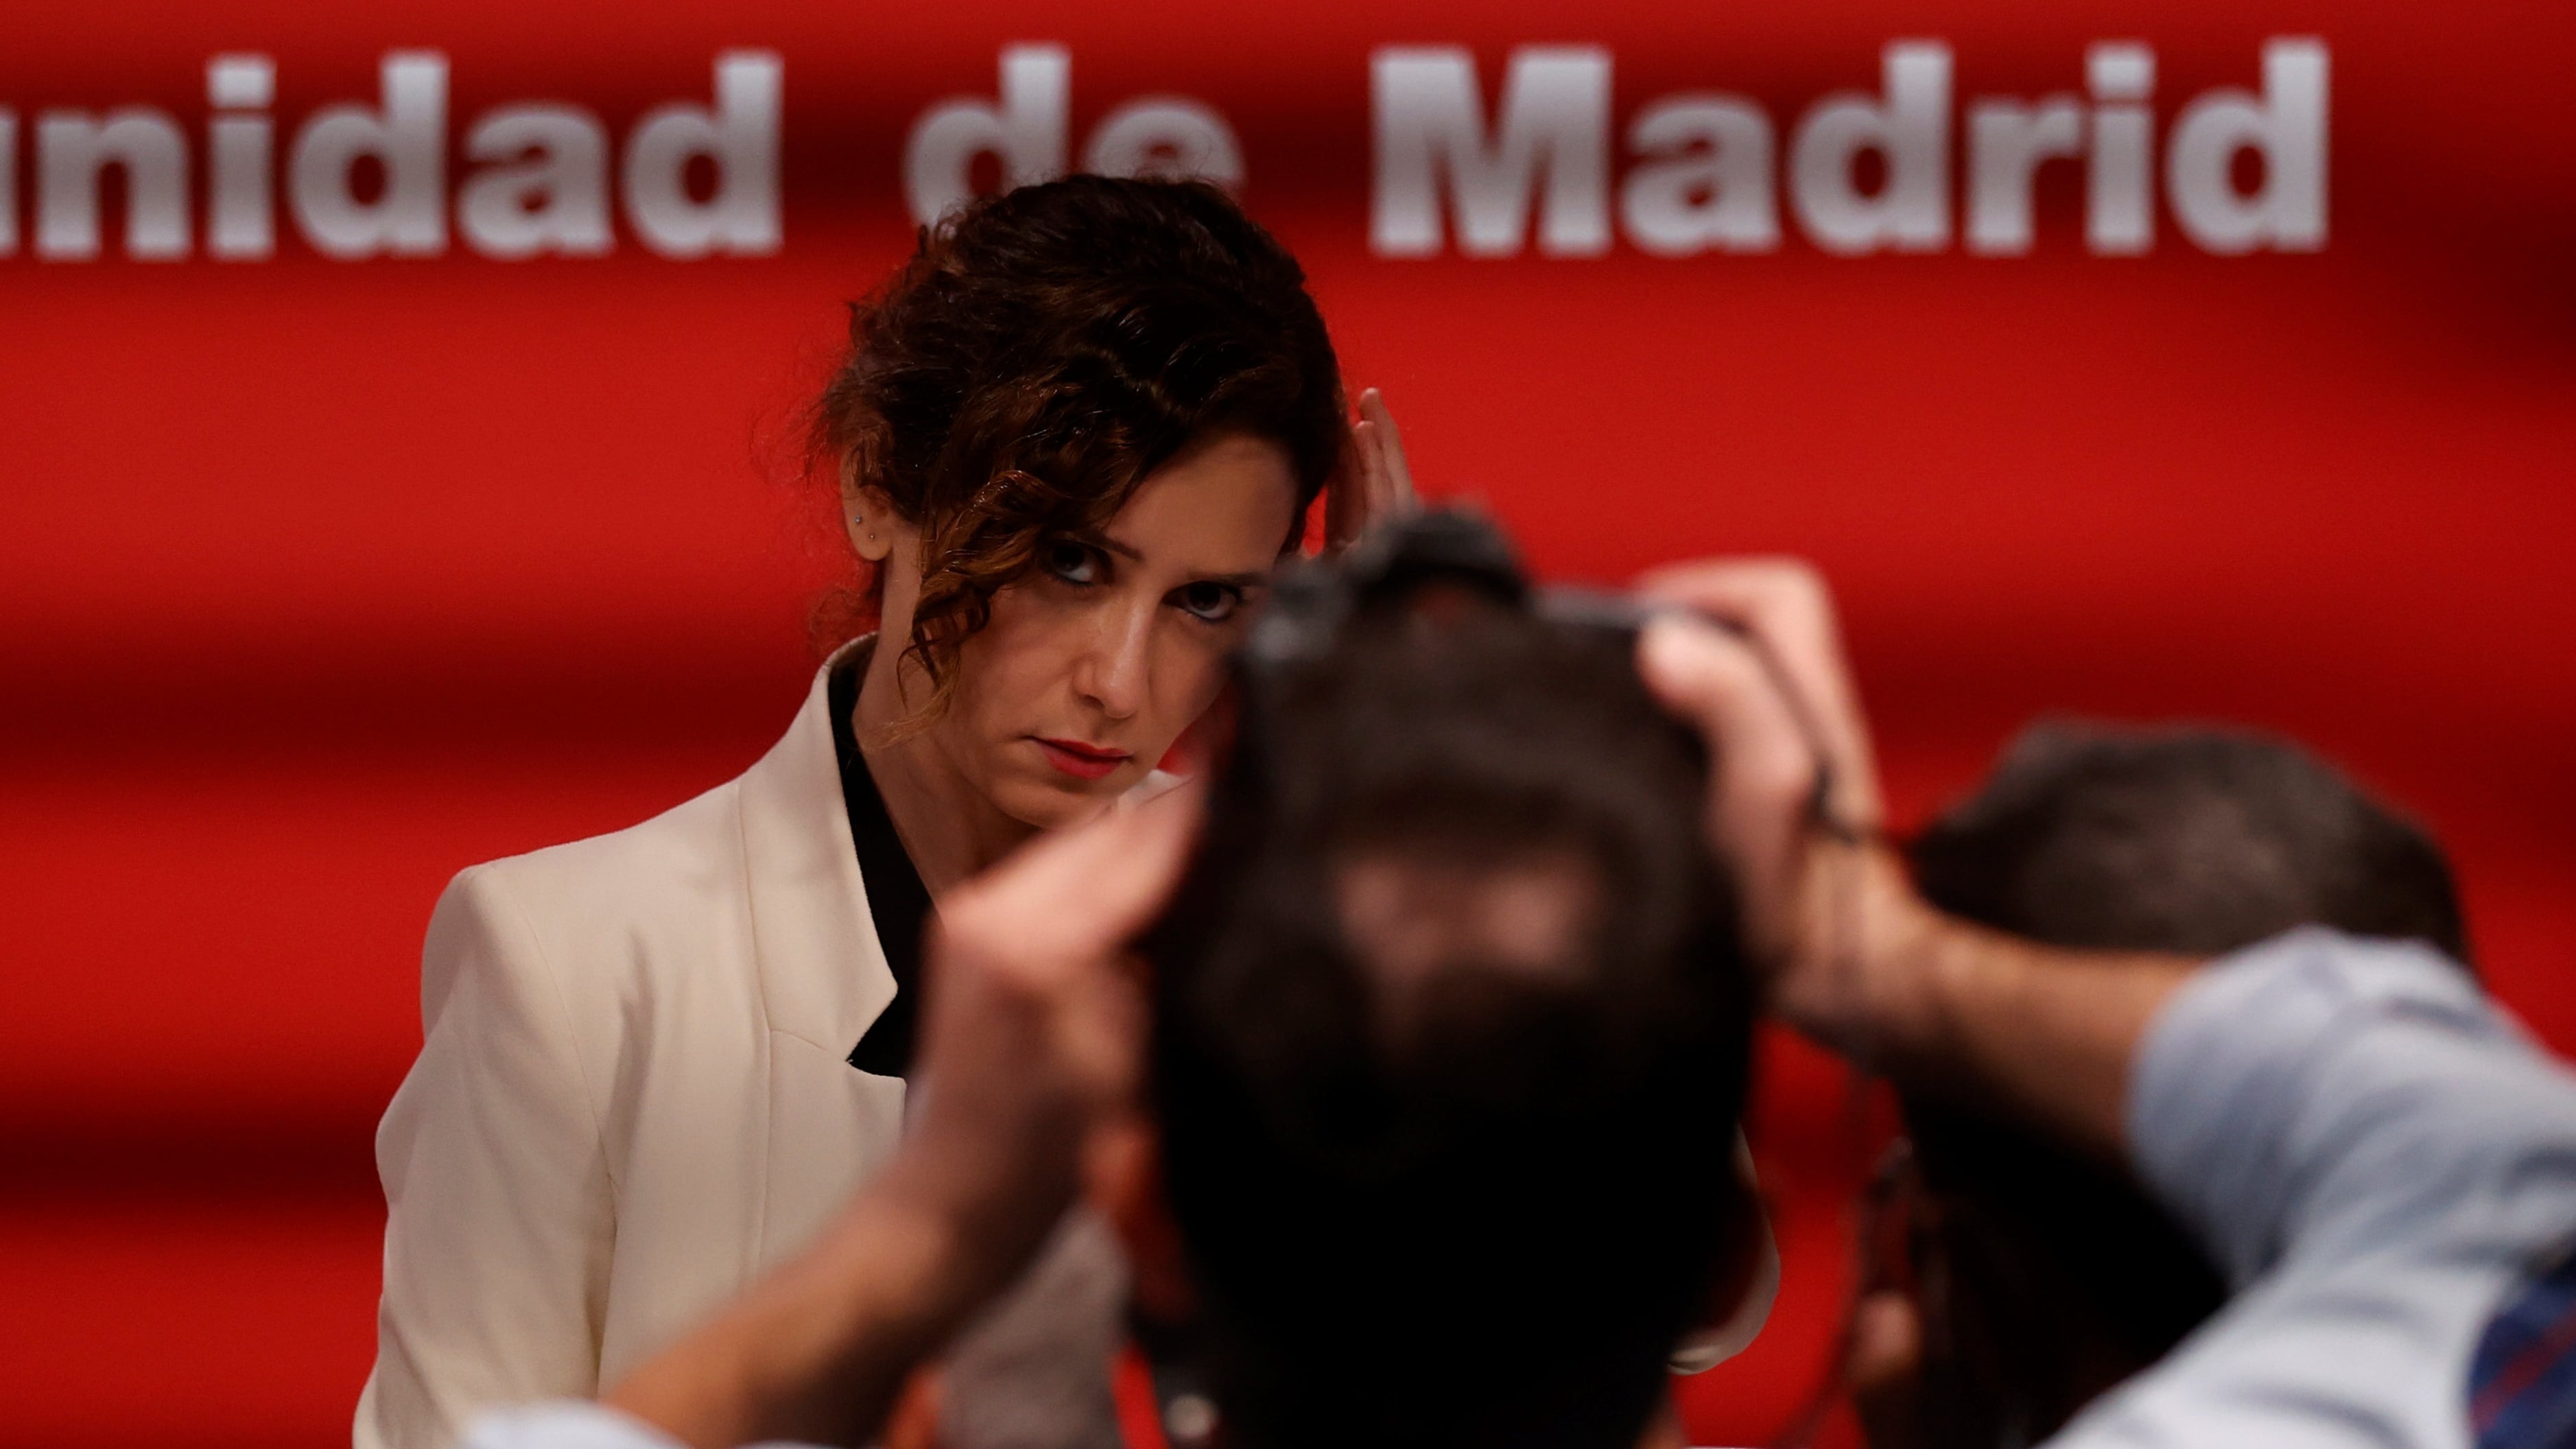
x=1082, y=761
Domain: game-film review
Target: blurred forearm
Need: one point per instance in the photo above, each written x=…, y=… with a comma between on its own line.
x=2046, y=1033
x=819, y=1351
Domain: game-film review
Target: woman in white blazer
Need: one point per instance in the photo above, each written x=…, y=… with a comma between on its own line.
x=1071, y=439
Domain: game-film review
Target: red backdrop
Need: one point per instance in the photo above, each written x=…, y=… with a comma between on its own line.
x=323, y=578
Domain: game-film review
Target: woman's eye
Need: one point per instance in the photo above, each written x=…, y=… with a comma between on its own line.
x=1214, y=603
x=1073, y=563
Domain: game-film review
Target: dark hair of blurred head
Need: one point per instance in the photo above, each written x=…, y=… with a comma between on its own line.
x=1451, y=1029
x=2052, y=1277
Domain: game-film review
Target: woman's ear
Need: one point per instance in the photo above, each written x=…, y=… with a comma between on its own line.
x=1884, y=1371
x=1124, y=1179
x=868, y=517
x=1748, y=1279
x=1740, y=1298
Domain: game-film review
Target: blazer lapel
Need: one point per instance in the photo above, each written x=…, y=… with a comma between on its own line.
x=823, y=980
x=821, y=970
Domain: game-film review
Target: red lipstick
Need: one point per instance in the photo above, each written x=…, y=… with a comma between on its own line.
x=1080, y=760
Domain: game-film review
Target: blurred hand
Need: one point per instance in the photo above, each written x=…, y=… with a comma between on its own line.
x=1852, y=955
x=1774, y=698
x=1036, y=1022
x=1031, y=1046
x=1378, y=485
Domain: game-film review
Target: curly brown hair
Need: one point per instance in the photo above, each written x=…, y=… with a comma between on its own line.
x=1045, y=350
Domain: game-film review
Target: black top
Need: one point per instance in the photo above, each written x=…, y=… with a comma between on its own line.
x=897, y=899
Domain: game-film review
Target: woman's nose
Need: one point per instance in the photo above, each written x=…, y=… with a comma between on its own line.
x=1112, y=673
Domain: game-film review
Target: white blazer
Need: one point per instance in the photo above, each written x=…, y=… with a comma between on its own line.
x=633, y=1093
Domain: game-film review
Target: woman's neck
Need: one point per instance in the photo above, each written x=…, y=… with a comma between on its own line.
x=947, y=826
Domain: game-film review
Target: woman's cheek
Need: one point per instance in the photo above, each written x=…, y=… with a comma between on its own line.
x=1188, y=676
x=1027, y=645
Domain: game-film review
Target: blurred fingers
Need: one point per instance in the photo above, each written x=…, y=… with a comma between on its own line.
x=1074, y=898
x=1720, y=686
x=1394, y=474
x=1786, y=604
x=1369, y=485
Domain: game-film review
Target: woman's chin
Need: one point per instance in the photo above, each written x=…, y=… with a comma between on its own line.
x=1058, y=800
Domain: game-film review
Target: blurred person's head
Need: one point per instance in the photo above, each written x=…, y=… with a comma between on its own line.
x=1071, y=437
x=1451, y=1038
x=2039, y=1278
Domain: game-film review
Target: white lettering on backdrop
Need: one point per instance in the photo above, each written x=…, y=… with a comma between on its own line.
x=1703, y=178
x=1906, y=167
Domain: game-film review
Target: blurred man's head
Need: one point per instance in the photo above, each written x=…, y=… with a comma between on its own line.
x=1451, y=1040
x=2197, y=841
x=2045, y=1278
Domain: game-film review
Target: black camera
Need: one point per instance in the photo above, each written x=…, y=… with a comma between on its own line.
x=1435, y=559
x=1440, y=562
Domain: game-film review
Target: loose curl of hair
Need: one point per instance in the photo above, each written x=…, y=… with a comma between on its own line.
x=1040, y=355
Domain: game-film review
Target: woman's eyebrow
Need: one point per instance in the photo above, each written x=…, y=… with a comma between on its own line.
x=1249, y=579
x=1104, y=542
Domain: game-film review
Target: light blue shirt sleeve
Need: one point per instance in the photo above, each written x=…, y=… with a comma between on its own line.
x=2377, y=1158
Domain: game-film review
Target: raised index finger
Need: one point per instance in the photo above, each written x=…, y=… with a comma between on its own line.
x=1395, y=474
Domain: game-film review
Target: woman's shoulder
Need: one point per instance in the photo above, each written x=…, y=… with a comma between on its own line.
x=670, y=897
x=683, y=852
x=591, y=912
